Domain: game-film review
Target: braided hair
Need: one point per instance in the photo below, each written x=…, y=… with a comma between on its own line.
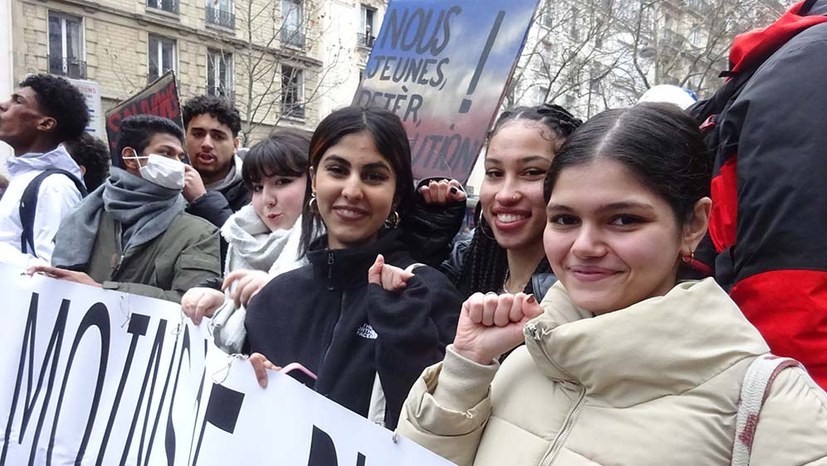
x=485, y=262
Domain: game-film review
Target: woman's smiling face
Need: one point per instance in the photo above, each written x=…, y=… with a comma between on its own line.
x=355, y=187
x=610, y=240
x=511, y=194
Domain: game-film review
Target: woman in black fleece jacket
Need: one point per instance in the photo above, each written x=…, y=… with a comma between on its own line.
x=356, y=336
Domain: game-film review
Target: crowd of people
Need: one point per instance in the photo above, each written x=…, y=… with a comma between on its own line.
x=584, y=322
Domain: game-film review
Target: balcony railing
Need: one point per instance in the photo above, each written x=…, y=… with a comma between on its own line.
x=170, y=6
x=365, y=40
x=220, y=17
x=292, y=110
x=69, y=67
x=292, y=37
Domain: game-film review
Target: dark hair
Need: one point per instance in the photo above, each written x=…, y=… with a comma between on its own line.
x=136, y=132
x=219, y=108
x=658, y=143
x=556, y=118
x=59, y=99
x=283, y=153
x=93, y=155
x=486, y=263
x=391, y=141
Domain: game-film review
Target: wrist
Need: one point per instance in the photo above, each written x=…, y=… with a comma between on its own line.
x=193, y=196
x=474, y=355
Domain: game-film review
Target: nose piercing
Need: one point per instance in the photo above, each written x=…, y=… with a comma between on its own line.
x=513, y=197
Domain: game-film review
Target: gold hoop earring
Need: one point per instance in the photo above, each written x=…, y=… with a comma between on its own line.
x=393, y=220
x=689, y=258
x=313, y=204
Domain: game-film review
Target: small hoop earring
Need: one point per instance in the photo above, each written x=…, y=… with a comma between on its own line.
x=689, y=258
x=313, y=204
x=393, y=220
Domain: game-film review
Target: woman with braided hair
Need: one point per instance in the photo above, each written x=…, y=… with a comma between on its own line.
x=506, y=252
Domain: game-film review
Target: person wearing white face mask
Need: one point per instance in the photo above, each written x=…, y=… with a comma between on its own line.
x=132, y=234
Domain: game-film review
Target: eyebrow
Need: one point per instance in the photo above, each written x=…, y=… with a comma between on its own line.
x=367, y=166
x=624, y=205
x=209, y=130
x=525, y=159
x=171, y=148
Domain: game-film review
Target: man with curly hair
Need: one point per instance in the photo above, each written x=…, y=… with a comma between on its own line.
x=214, y=188
x=92, y=155
x=42, y=112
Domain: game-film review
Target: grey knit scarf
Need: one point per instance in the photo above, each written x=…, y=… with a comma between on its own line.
x=144, y=210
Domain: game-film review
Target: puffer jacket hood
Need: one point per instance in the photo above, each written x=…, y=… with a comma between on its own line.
x=757, y=45
x=36, y=161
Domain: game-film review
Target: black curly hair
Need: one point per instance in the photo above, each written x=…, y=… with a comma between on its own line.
x=93, y=155
x=219, y=108
x=137, y=131
x=486, y=264
x=59, y=99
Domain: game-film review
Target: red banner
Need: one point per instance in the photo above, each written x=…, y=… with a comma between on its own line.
x=159, y=98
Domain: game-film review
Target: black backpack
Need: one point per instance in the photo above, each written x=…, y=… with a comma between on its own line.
x=28, y=206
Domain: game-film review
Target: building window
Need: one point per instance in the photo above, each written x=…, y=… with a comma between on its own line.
x=574, y=30
x=220, y=73
x=161, y=54
x=170, y=6
x=291, y=31
x=220, y=13
x=66, y=46
x=366, y=37
x=292, y=92
x=696, y=37
x=547, y=15
x=541, y=94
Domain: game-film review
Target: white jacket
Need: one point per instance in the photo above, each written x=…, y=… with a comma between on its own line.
x=57, y=196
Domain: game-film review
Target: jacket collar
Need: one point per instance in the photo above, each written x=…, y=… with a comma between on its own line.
x=757, y=45
x=348, y=268
x=232, y=180
x=36, y=161
x=658, y=347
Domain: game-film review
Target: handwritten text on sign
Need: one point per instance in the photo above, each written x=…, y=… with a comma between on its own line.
x=443, y=67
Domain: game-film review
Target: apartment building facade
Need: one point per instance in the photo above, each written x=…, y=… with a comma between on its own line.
x=282, y=62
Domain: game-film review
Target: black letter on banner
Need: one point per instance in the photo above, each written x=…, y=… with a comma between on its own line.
x=29, y=343
x=138, y=324
x=169, y=438
x=198, y=398
x=160, y=408
x=154, y=357
x=222, y=411
x=322, y=449
x=96, y=316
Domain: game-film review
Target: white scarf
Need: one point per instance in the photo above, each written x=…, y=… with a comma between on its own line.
x=253, y=246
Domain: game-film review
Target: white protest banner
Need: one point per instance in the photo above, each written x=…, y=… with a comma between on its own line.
x=289, y=424
x=442, y=66
x=95, y=377
x=98, y=377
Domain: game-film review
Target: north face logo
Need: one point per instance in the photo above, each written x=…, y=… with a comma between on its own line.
x=366, y=331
